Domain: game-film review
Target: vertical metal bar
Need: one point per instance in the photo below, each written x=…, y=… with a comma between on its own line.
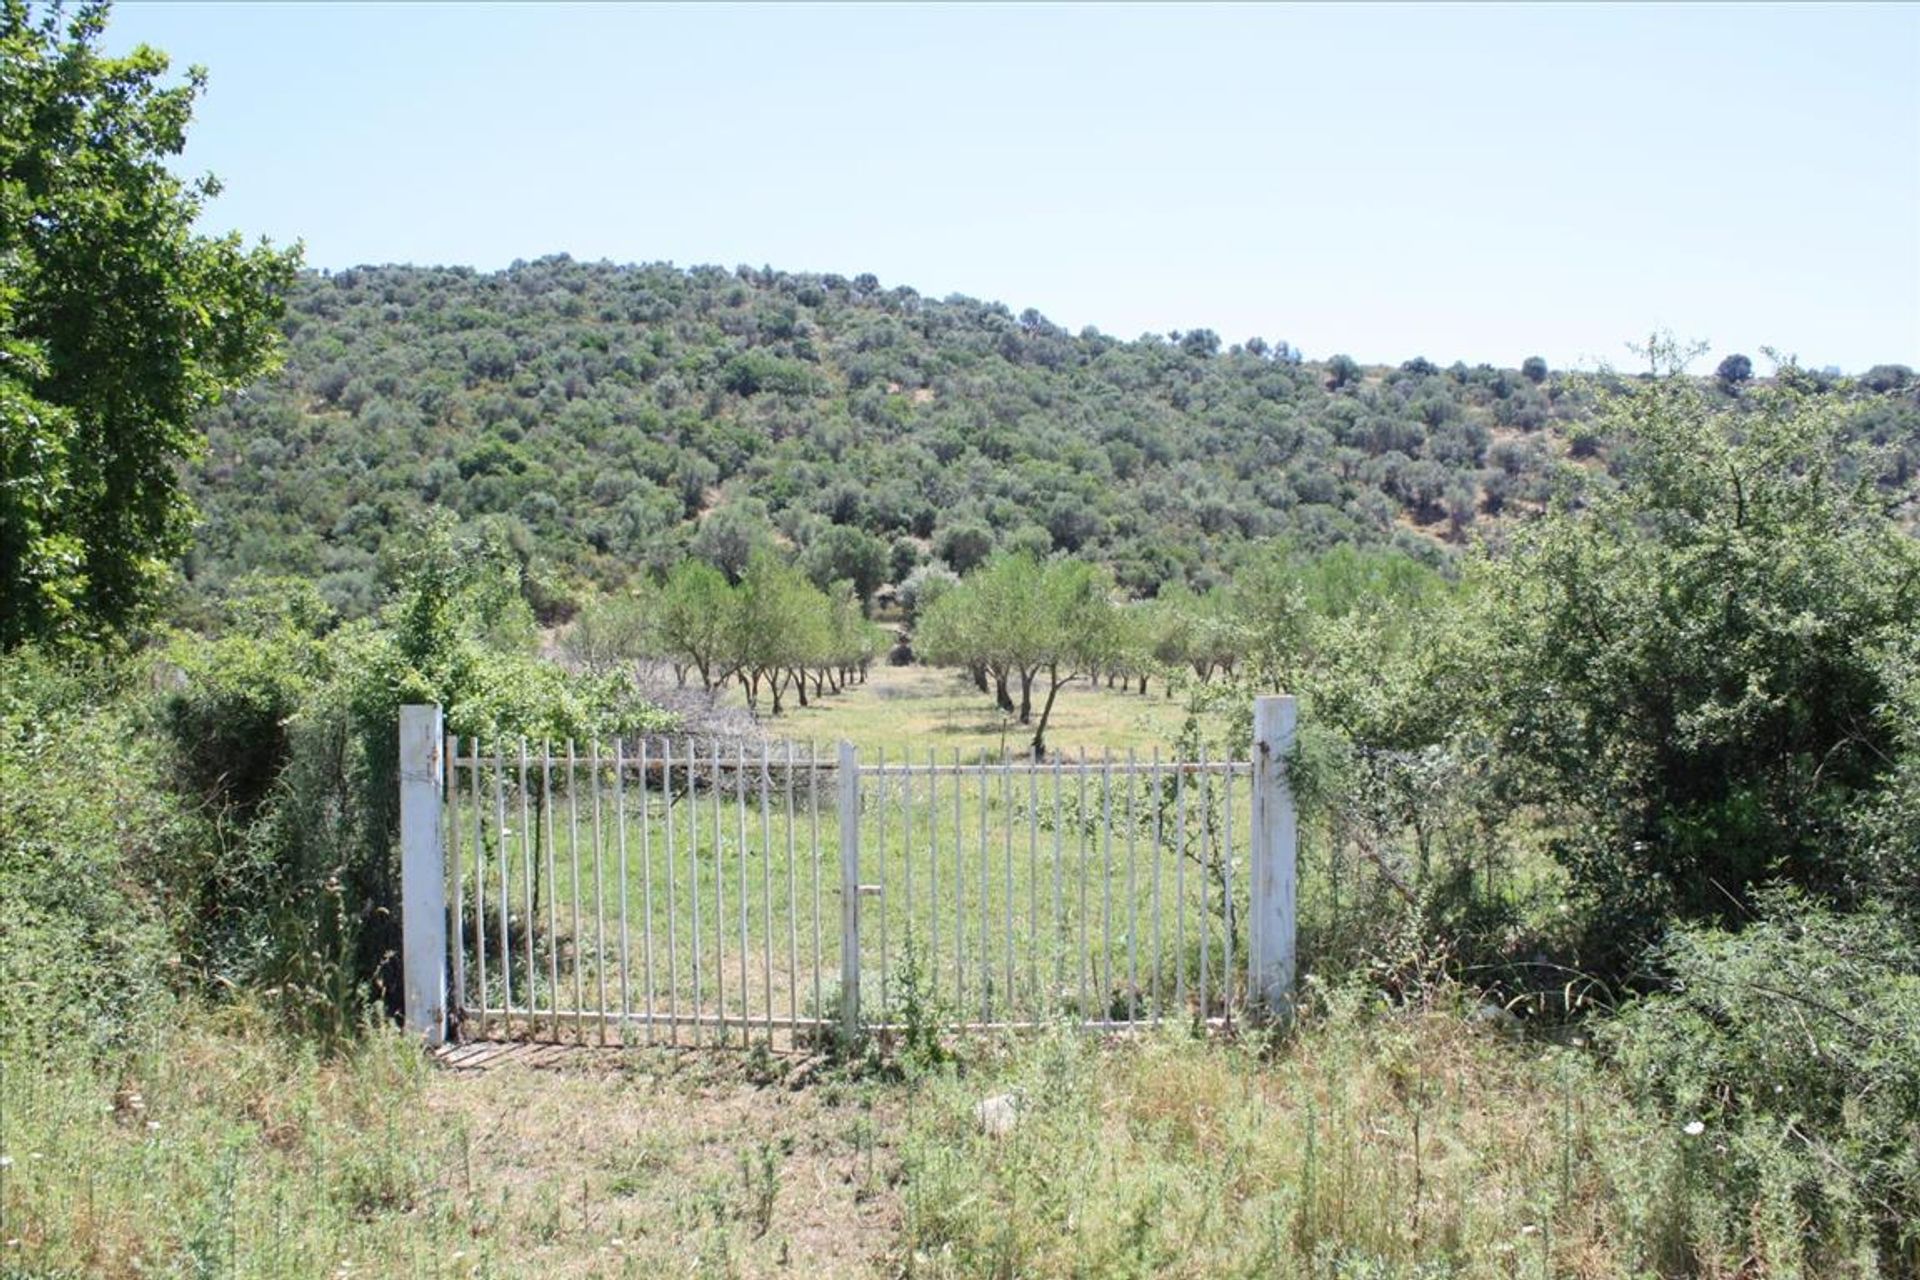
x=959, y=897
x=1159, y=839
x=620, y=846
x=813, y=820
x=553, y=889
x=673, y=893
x=1006, y=818
x=527, y=856
x=906, y=860
x=933, y=868
x=479, y=878
x=506, y=943
x=740, y=814
x=766, y=884
x=1206, y=873
x=986, y=898
x=1059, y=908
x=693, y=887
x=1106, y=884
x=793, y=909
x=599, y=894
x=1180, y=886
x=849, y=892
x=1133, y=894
x=880, y=874
x=459, y=878
x=646, y=889
x=573, y=843
x=1226, y=891
x=1035, y=1003
x=1086, y=950
x=719, y=901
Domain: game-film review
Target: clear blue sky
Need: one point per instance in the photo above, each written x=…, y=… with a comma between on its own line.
x=1477, y=183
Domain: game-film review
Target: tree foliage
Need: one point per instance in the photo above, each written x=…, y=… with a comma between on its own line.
x=1695, y=659
x=589, y=405
x=281, y=730
x=119, y=326
x=1025, y=625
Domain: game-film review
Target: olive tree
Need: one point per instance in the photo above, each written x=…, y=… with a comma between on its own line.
x=1020, y=622
x=694, y=627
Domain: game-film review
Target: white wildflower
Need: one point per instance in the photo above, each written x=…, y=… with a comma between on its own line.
x=1695, y=1128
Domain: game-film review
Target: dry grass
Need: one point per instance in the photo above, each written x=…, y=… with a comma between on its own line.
x=662, y=1164
x=223, y=1151
x=1404, y=1145
x=1374, y=1144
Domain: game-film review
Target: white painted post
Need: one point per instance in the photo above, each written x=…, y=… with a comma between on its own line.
x=423, y=885
x=1270, y=950
x=850, y=891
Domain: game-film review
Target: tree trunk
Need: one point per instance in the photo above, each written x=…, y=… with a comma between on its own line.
x=1001, y=697
x=775, y=682
x=1026, y=697
x=979, y=673
x=1143, y=685
x=799, y=679
x=1054, y=681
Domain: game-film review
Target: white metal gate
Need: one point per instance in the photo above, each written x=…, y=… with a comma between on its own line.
x=663, y=891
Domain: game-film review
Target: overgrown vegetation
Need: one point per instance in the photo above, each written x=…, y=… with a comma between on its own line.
x=1609, y=818
x=90, y=840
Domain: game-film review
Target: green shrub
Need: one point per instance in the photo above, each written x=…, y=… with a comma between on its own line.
x=87, y=837
x=283, y=732
x=1794, y=1047
x=1691, y=668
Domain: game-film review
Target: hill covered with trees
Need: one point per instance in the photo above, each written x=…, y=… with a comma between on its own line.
x=616, y=418
x=1609, y=873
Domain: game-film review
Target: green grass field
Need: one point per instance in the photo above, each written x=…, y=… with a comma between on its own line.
x=917, y=709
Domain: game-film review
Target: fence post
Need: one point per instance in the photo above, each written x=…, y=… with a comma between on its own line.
x=1270, y=950
x=850, y=891
x=423, y=884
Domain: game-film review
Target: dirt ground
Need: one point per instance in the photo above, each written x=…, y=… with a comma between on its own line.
x=611, y=1163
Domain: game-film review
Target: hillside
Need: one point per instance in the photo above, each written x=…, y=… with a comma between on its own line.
x=614, y=415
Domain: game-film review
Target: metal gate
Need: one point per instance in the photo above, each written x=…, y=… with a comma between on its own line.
x=663, y=891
